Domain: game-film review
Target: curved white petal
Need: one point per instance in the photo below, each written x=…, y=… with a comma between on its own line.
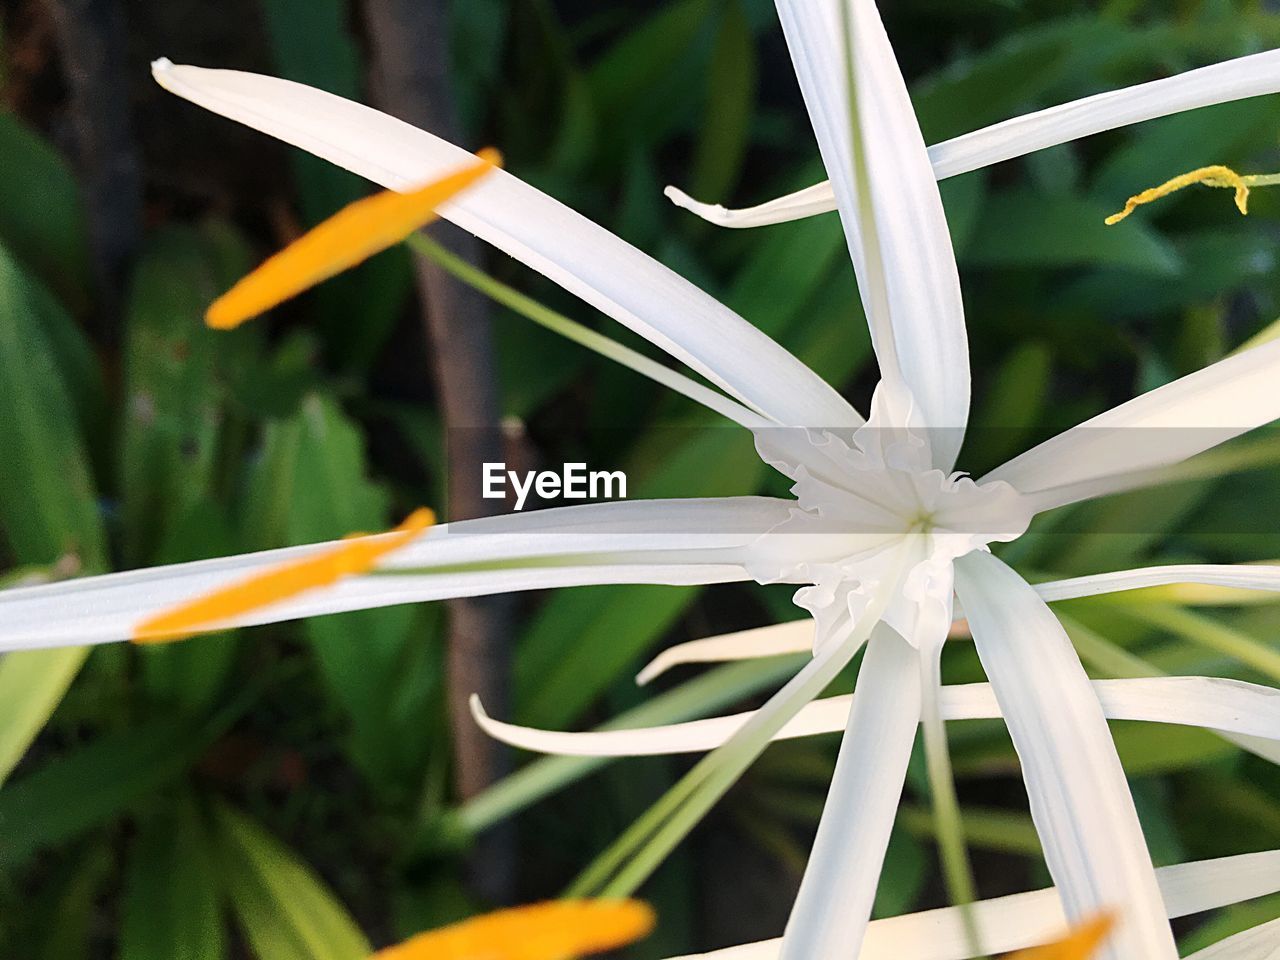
x=771, y=641
x=1026, y=919
x=898, y=236
x=1159, y=428
x=1227, y=706
x=1243, y=576
x=1260, y=943
x=1237, y=79
x=576, y=253
x=809, y=202
x=1080, y=800
x=832, y=909
x=642, y=541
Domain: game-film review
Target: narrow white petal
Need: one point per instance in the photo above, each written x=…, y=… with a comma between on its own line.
x=1237, y=79
x=1213, y=703
x=833, y=907
x=642, y=541
x=772, y=641
x=820, y=198
x=1243, y=576
x=911, y=289
x=576, y=253
x=1260, y=943
x=1159, y=428
x=1026, y=919
x=1080, y=800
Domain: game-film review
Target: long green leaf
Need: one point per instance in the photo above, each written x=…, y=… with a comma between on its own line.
x=32, y=685
x=286, y=910
x=172, y=902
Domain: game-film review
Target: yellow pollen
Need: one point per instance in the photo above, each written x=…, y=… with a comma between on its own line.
x=1080, y=944
x=350, y=236
x=556, y=930
x=1212, y=176
x=213, y=610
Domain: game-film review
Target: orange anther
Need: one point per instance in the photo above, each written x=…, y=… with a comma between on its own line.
x=1080, y=944
x=556, y=930
x=213, y=610
x=353, y=234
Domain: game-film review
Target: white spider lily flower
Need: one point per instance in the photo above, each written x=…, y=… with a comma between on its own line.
x=1251, y=76
x=880, y=533
x=1027, y=919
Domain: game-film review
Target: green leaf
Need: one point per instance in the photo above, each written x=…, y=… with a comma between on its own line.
x=1149, y=748
x=172, y=903
x=41, y=212
x=51, y=804
x=77, y=362
x=1019, y=228
x=32, y=684
x=1011, y=409
x=643, y=78
x=69, y=930
x=48, y=503
x=172, y=396
x=286, y=910
x=731, y=90
x=370, y=659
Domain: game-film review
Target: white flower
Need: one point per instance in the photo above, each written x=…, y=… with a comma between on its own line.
x=881, y=532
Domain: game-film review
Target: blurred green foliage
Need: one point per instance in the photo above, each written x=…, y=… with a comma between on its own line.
x=283, y=789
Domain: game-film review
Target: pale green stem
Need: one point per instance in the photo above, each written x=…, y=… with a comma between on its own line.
x=639, y=851
x=1103, y=655
x=957, y=871
x=584, y=336
x=1004, y=831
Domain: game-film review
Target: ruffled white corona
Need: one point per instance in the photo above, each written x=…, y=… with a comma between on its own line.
x=864, y=499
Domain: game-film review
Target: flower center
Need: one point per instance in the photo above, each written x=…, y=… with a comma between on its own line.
x=869, y=506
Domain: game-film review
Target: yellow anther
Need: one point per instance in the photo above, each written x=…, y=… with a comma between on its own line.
x=1080, y=944
x=213, y=610
x=557, y=930
x=352, y=235
x=1213, y=176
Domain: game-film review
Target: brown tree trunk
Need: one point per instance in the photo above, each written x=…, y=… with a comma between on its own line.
x=410, y=64
x=92, y=43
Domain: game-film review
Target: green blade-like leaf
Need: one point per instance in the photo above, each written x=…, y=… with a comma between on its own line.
x=286, y=910
x=172, y=902
x=171, y=391
x=1018, y=228
x=32, y=684
x=369, y=658
x=52, y=804
x=41, y=212
x=731, y=89
x=48, y=505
